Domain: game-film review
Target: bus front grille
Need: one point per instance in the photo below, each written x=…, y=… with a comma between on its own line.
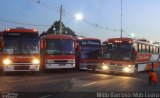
x=61, y=61
x=21, y=67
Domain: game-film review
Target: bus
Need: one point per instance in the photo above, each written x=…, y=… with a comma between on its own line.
x=57, y=51
x=89, y=53
x=129, y=55
x=19, y=50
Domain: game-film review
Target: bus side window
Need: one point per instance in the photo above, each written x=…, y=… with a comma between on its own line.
x=151, y=49
x=156, y=49
x=139, y=47
x=143, y=48
x=147, y=49
x=134, y=53
x=135, y=45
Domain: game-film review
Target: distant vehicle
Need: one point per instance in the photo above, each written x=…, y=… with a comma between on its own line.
x=88, y=53
x=129, y=55
x=19, y=50
x=57, y=51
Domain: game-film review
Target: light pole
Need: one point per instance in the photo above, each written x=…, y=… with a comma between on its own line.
x=60, y=23
x=121, y=19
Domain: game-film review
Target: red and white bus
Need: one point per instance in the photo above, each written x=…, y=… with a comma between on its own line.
x=57, y=51
x=130, y=55
x=89, y=53
x=19, y=50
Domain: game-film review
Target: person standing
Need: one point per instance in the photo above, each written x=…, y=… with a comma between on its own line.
x=152, y=77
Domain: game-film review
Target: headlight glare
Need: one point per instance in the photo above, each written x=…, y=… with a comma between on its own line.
x=129, y=65
x=7, y=61
x=104, y=67
x=35, y=61
x=126, y=69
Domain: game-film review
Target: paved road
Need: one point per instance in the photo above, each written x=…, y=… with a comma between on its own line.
x=77, y=81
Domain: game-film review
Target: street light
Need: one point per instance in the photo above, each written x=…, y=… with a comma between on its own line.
x=77, y=17
x=132, y=35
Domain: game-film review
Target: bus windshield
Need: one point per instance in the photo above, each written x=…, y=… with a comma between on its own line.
x=60, y=46
x=121, y=51
x=90, y=52
x=17, y=44
x=90, y=49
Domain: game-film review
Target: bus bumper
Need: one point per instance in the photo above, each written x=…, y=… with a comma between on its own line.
x=88, y=65
x=10, y=68
x=117, y=68
x=59, y=66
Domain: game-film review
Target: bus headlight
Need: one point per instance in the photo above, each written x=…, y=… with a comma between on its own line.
x=126, y=69
x=129, y=66
x=7, y=61
x=35, y=61
x=104, y=67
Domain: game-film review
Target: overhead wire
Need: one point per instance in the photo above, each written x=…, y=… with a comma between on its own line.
x=68, y=13
x=65, y=12
x=45, y=5
x=20, y=23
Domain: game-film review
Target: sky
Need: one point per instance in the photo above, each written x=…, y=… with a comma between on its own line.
x=141, y=17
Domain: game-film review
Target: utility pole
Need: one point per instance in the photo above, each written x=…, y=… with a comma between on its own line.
x=60, y=23
x=121, y=20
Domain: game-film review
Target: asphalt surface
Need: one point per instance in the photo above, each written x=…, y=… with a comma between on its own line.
x=74, y=82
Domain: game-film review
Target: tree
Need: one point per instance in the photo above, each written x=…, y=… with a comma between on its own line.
x=68, y=31
x=54, y=29
x=43, y=33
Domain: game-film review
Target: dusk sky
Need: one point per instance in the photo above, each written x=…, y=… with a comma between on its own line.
x=141, y=17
